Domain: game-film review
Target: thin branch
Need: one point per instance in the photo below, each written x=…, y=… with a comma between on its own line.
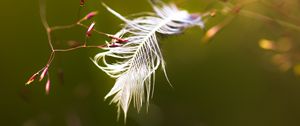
x=49, y=30
x=77, y=47
x=250, y=14
x=43, y=14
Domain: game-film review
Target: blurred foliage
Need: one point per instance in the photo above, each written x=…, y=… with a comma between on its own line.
x=242, y=70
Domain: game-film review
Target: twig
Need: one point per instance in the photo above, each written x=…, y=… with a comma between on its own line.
x=49, y=30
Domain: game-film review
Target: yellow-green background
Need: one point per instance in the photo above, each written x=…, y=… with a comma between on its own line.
x=227, y=82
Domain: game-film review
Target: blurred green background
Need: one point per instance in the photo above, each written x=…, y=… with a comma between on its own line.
x=227, y=81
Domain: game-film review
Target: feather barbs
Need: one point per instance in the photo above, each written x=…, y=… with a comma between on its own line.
x=139, y=57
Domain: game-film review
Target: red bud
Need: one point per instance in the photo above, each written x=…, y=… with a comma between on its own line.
x=43, y=73
x=114, y=45
x=47, y=86
x=82, y=2
x=32, y=78
x=90, y=29
x=119, y=40
x=91, y=15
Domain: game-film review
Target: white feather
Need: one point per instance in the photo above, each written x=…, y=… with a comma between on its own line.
x=139, y=58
